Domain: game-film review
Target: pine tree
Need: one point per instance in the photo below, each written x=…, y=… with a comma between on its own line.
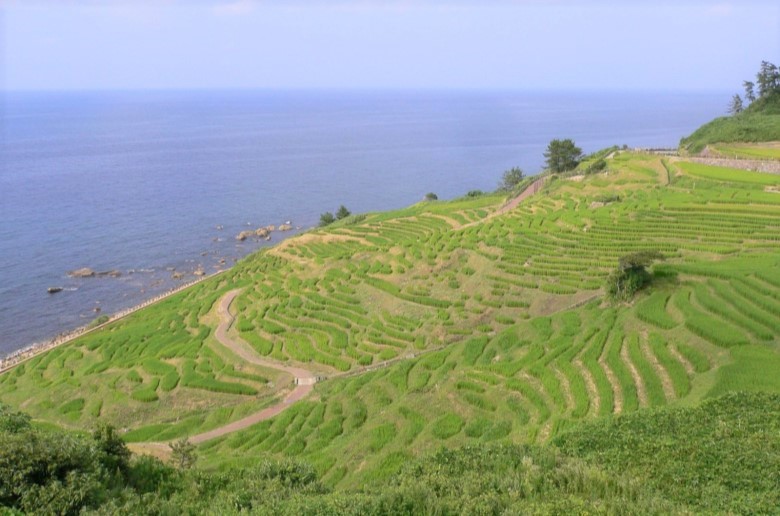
x=736, y=105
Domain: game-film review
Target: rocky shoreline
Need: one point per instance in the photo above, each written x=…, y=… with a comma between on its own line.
x=198, y=270
x=17, y=357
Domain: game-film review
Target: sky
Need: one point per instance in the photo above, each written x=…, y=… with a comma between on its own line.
x=385, y=44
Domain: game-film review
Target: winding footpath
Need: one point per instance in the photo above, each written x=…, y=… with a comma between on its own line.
x=304, y=379
x=510, y=205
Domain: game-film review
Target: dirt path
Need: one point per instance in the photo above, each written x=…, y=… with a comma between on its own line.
x=684, y=361
x=304, y=379
x=304, y=383
x=660, y=371
x=617, y=391
x=640, y=385
x=512, y=203
x=590, y=385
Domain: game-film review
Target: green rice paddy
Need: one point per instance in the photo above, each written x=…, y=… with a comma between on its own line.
x=476, y=328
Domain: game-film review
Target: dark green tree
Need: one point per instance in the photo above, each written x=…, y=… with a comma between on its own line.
x=11, y=421
x=767, y=78
x=114, y=454
x=183, y=453
x=430, y=196
x=750, y=94
x=631, y=274
x=562, y=155
x=736, y=106
x=342, y=212
x=326, y=218
x=511, y=179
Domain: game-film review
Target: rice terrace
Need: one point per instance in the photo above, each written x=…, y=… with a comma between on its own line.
x=459, y=356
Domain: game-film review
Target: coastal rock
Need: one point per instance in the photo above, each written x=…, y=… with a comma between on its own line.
x=199, y=272
x=285, y=227
x=244, y=235
x=262, y=232
x=177, y=275
x=270, y=228
x=113, y=273
x=85, y=272
x=54, y=290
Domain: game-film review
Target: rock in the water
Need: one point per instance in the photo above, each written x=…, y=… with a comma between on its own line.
x=262, y=232
x=244, y=235
x=199, y=272
x=85, y=272
x=177, y=275
x=54, y=290
x=285, y=227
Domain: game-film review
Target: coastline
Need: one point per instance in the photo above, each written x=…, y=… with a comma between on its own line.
x=33, y=350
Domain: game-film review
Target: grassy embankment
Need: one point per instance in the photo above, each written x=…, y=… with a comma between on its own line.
x=760, y=122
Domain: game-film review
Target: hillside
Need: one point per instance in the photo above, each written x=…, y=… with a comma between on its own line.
x=452, y=324
x=760, y=122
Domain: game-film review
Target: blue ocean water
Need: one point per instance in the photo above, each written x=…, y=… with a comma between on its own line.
x=141, y=182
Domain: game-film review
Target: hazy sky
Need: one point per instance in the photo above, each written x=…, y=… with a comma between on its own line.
x=508, y=44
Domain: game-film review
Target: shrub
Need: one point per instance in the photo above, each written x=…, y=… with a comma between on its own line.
x=326, y=219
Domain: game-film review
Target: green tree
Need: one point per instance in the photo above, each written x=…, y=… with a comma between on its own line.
x=750, y=94
x=342, y=212
x=736, y=107
x=114, y=454
x=326, y=218
x=430, y=196
x=631, y=274
x=510, y=179
x=183, y=453
x=11, y=421
x=562, y=155
x=767, y=78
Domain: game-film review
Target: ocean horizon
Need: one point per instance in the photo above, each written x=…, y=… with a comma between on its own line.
x=156, y=184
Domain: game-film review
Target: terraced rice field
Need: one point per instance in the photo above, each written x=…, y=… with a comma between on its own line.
x=769, y=150
x=493, y=330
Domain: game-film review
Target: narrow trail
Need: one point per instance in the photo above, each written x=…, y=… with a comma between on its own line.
x=640, y=385
x=304, y=379
x=617, y=391
x=684, y=361
x=532, y=189
x=590, y=385
x=660, y=371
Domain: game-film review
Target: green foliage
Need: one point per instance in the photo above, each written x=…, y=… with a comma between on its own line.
x=183, y=453
x=631, y=275
x=447, y=426
x=326, y=219
x=342, y=212
x=510, y=179
x=597, y=166
x=727, y=448
x=562, y=155
x=430, y=196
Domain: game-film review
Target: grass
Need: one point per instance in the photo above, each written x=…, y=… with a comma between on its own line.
x=759, y=123
x=755, y=151
x=731, y=175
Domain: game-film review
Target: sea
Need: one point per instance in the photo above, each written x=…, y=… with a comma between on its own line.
x=154, y=183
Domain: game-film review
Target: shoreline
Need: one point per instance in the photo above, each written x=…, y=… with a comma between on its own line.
x=37, y=348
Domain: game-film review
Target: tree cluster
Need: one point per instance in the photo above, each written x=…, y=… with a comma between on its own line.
x=631, y=274
x=767, y=81
x=562, y=156
x=328, y=217
x=511, y=179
